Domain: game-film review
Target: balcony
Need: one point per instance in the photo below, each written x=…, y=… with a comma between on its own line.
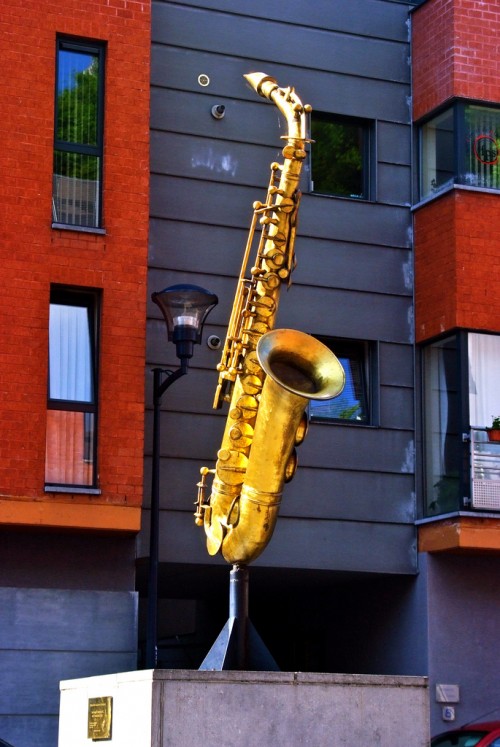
x=485, y=471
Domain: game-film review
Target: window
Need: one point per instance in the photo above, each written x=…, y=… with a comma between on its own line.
x=340, y=156
x=460, y=146
x=78, y=137
x=441, y=370
x=354, y=404
x=461, y=394
x=72, y=402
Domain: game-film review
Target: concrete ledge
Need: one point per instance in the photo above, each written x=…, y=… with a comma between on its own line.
x=180, y=708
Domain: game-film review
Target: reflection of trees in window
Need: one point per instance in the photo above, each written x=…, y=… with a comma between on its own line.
x=353, y=402
x=338, y=156
x=78, y=135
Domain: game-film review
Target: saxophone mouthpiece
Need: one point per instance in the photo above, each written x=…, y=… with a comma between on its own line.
x=257, y=80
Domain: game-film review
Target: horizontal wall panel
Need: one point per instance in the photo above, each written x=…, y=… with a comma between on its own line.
x=246, y=37
x=212, y=160
x=355, y=220
x=321, y=217
x=67, y=620
x=196, y=247
x=313, y=493
x=308, y=544
x=396, y=408
x=393, y=184
x=396, y=364
x=348, y=495
x=363, y=17
x=394, y=143
x=217, y=250
x=34, y=731
x=339, y=446
x=195, y=392
x=237, y=163
x=363, y=448
x=188, y=113
x=192, y=393
x=43, y=667
x=334, y=92
x=338, y=313
x=342, y=546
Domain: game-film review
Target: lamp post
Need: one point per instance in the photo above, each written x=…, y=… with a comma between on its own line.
x=185, y=309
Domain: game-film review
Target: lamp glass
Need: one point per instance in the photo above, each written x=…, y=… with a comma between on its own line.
x=185, y=308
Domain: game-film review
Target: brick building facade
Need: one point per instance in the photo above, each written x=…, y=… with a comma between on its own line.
x=67, y=544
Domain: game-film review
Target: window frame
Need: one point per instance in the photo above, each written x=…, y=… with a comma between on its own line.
x=89, y=299
x=457, y=108
x=368, y=149
x=369, y=372
x=97, y=48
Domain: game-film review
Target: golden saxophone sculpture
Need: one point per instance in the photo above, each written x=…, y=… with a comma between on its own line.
x=268, y=376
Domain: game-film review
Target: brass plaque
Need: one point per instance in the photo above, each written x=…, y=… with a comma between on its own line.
x=100, y=717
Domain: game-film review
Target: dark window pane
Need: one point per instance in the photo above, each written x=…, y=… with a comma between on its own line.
x=438, y=160
x=352, y=403
x=338, y=156
x=442, y=434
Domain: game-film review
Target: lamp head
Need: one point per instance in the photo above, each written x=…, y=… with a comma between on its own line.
x=185, y=309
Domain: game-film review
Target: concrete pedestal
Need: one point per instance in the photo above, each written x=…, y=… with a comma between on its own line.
x=179, y=708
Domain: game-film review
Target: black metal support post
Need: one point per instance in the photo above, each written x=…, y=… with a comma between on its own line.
x=239, y=646
x=160, y=385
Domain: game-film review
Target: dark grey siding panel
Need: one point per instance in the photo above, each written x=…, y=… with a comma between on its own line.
x=325, y=91
x=354, y=17
x=247, y=37
x=321, y=217
x=47, y=635
x=313, y=492
x=308, y=544
x=347, y=496
x=218, y=250
x=351, y=504
x=393, y=143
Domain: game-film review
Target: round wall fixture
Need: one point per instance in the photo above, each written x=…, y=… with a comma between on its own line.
x=203, y=80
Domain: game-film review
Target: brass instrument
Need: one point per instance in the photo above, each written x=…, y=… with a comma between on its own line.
x=266, y=375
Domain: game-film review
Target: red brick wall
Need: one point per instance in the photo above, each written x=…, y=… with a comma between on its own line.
x=455, y=52
x=457, y=264
x=33, y=255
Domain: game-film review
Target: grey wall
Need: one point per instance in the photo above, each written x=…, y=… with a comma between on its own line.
x=48, y=635
x=464, y=647
x=351, y=505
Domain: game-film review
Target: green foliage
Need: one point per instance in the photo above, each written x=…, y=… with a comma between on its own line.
x=77, y=123
x=337, y=161
x=496, y=422
x=350, y=413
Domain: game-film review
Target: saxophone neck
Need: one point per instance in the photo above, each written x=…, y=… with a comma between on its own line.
x=287, y=102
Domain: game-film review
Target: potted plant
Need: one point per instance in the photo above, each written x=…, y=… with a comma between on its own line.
x=494, y=431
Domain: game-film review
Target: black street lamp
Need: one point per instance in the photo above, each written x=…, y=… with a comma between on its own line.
x=185, y=308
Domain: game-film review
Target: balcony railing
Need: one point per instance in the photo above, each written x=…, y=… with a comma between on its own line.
x=485, y=471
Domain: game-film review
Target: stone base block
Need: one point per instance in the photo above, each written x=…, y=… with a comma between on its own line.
x=179, y=708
